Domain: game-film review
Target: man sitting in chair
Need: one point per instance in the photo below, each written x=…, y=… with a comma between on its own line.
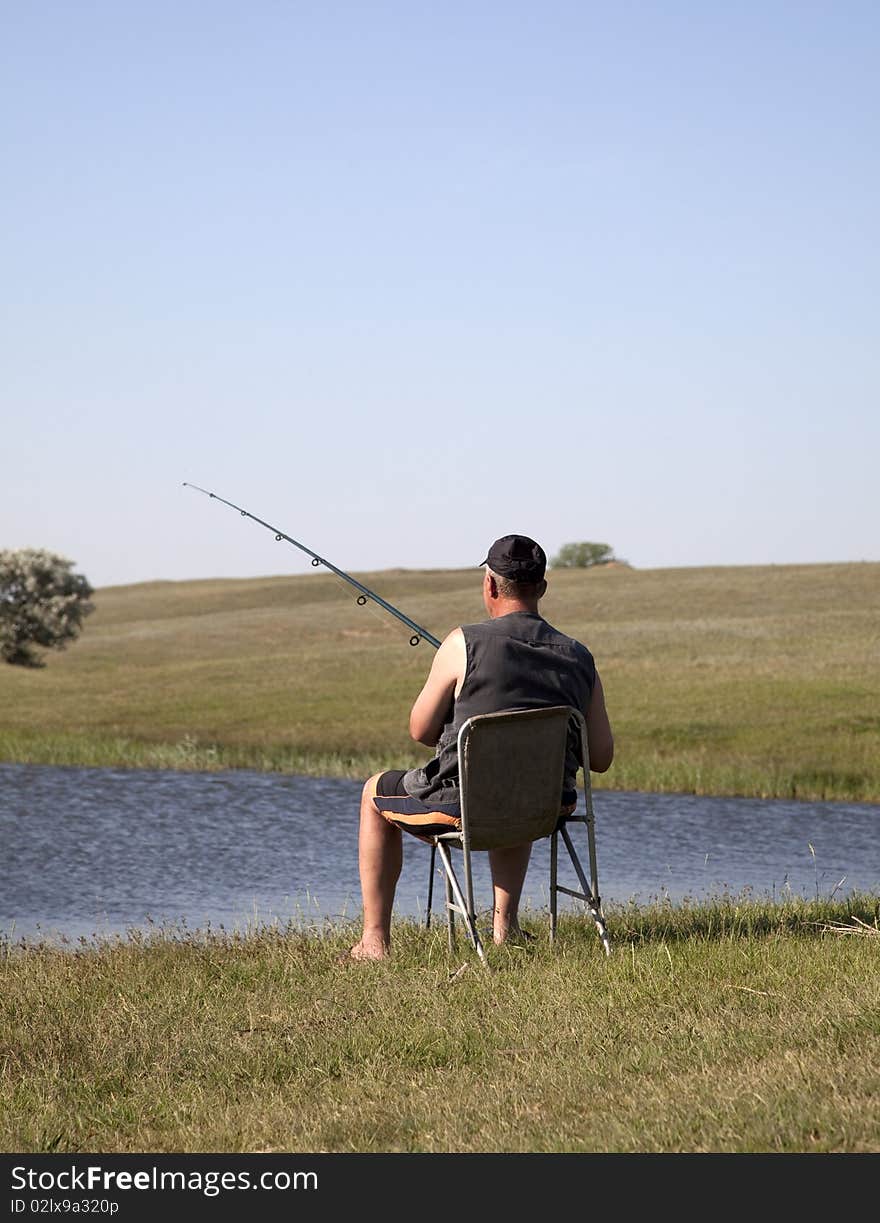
x=513, y=660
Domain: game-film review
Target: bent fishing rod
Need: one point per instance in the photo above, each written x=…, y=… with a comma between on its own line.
x=365, y=595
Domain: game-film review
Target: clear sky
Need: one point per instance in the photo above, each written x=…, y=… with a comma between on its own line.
x=404, y=277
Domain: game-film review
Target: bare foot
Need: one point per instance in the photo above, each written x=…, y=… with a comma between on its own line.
x=513, y=934
x=367, y=949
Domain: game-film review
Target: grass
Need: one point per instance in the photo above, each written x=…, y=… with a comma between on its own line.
x=756, y=681
x=726, y=1026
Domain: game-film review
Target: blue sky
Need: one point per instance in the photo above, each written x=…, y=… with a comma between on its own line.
x=401, y=278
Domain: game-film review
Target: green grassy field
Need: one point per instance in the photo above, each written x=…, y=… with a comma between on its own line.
x=722, y=1027
x=757, y=681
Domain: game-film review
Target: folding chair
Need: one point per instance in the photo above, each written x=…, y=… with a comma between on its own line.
x=511, y=767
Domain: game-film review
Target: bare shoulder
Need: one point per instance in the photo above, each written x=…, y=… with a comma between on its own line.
x=453, y=640
x=452, y=652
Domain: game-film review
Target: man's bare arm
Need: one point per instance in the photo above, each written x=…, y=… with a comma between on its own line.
x=433, y=705
x=600, y=741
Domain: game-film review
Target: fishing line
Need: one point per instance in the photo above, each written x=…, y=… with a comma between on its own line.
x=365, y=595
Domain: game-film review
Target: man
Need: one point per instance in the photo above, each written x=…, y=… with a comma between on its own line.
x=513, y=660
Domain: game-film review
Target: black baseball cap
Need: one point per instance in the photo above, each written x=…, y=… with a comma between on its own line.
x=517, y=557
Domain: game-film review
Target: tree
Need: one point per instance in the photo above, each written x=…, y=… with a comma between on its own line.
x=582, y=556
x=42, y=603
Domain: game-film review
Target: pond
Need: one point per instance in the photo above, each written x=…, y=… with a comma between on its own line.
x=102, y=851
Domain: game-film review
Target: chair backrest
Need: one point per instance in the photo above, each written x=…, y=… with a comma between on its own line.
x=511, y=770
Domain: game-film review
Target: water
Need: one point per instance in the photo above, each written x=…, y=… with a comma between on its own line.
x=102, y=851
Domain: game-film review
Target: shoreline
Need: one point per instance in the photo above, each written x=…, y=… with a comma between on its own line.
x=725, y=915
x=705, y=779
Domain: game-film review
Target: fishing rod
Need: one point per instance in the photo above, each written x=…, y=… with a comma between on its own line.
x=365, y=595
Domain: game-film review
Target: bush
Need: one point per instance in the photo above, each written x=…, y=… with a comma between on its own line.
x=42, y=603
x=582, y=556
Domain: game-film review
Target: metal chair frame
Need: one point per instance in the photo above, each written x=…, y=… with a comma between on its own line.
x=460, y=900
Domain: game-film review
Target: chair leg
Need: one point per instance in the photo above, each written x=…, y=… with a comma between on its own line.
x=430, y=886
x=450, y=915
x=469, y=892
x=554, y=895
x=592, y=902
x=461, y=906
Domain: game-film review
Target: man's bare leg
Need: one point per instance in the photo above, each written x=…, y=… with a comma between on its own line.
x=380, y=857
x=508, y=868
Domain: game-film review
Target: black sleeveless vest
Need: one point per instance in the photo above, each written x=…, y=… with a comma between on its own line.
x=518, y=661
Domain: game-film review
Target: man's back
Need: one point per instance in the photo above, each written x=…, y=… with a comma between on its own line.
x=516, y=661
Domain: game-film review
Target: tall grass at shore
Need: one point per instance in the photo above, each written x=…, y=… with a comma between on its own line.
x=760, y=681
x=724, y=1026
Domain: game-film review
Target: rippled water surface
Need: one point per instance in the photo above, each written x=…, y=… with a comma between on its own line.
x=100, y=851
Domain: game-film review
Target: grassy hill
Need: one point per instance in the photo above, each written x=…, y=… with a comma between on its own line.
x=737, y=680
